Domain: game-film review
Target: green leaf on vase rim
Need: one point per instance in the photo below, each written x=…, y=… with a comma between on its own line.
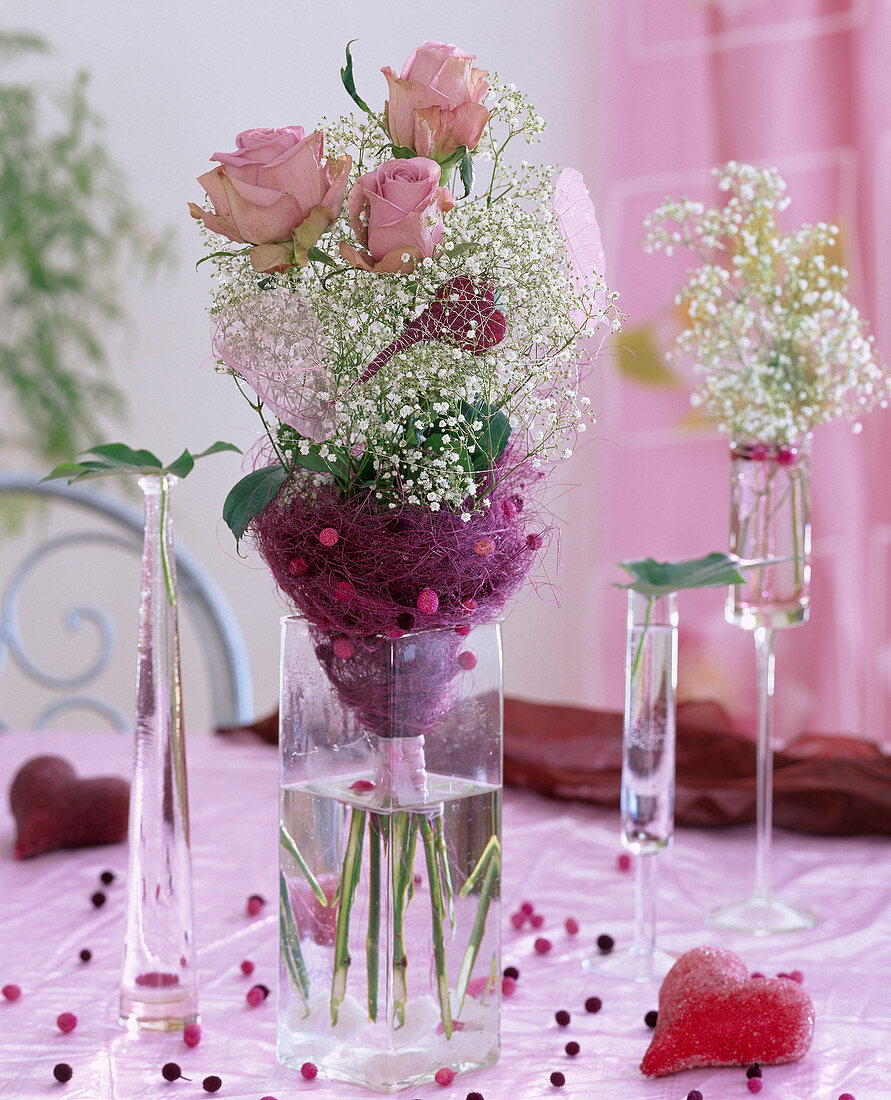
x=661, y=578
x=118, y=458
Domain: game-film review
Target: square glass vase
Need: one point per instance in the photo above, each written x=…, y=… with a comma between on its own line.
x=390, y=845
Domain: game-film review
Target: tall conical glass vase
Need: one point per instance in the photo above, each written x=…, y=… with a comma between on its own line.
x=648, y=776
x=159, y=984
x=770, y=526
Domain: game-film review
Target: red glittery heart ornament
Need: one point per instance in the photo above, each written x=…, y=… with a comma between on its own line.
x=711, y=1013
x=53, y=808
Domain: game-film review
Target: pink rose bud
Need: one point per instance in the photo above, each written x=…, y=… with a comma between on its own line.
x=436, y=104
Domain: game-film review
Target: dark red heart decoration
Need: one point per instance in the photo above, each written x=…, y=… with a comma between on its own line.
x=54, y=809
x=711, y=1013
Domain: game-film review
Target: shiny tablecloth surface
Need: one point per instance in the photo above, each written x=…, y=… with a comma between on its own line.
x=561, y=856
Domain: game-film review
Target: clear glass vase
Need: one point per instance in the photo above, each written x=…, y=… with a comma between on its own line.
x=390, y=854
x=769, y=525
x=159, y=984
x=648, y=775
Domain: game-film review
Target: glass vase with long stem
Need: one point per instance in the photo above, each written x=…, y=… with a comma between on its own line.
x=159, y=984
x=769, y=526
x=648, y=775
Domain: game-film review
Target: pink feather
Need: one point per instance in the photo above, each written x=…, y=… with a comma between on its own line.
x=578, y=222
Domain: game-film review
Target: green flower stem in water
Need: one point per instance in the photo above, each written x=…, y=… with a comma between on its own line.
x=437, y=914
x=439, y=825
x=403, y=838
x=290, y=938
x=372, y=938
x=493, y=853
x=349, y=880
x=290, y=846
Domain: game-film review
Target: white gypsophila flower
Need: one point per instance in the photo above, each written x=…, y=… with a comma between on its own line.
x=775, y=341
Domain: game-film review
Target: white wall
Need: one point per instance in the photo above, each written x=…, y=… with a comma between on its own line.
x=175, y=81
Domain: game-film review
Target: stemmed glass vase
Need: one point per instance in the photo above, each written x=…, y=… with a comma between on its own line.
x=648, y=775
x=769, y=525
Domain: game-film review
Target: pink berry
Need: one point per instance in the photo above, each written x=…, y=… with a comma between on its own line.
x=759, y=451
x=11, y=992
x=254, y=904
x=623, y=861
x=463, y=631
x=66, y=1022
x=756, y=974
x=328, y=536
x=247, y=967
x=796, y=976
x=846, y=1096
x=444, y=1075
x=542, y=945
x=786, y=456
x=572, y=926
x=309, y=1071
x=467, y=660
x=534, y=540
x=517, y=919
x=537, y=920
x=428, y=602
x=557, y=1079
x=255, y=996
x=192, y=1035
x=754, y=1084
x=362, y=785
x=344, y=649
x=469, y=604
x=508, y=985
x=298, y=566
x=483, y=547
x=527, y=908
x=562, y=1017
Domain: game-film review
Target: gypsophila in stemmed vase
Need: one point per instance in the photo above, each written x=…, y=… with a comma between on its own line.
x=406, y=312
x=779, y=349
x=159, y=981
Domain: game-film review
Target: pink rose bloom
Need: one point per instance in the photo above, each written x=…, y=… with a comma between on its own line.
x=274, y=192
x=436, y=105
x=396, y=213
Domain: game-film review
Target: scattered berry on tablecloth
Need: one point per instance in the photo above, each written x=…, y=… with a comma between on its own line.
x=257, y=994
x=542, y=945
x=753, y=1070
x=170, y=1071
x=85, y=955
x=572, y=926
x=212, y=1084
x=508, y=985
x=511, y=972
x=444, y=1075
x=572, y=1048
x=66, y=1021
x=796, y=976
x=247, y=967
x=593, y=1004
x=63, y=1072
x=651, y=1018
x=98, y=899
x=474, y=1096
x=536, y=920
x=755, y=1084
x=11, y=992
x=623, y=861
x=694, y=1094
x=605, y=944
x=527, y=908
x=846, y=1096
x=562, y=1017
x=254, y=904
x=107, y=877
x=518, y=919
x=192, y=1035
x=557, y=1079
x=309, y=1071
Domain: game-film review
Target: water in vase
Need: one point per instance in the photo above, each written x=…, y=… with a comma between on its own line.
x=390, y=961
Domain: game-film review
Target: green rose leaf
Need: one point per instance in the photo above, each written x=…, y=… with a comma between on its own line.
x=118, y=458
x=491, y=439
x=467, y=173
x=346, y=75
x=402, y=152
x=250, y=496
x=661, y=578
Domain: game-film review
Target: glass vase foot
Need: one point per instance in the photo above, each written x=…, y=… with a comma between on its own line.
x=761, y=917
x=164, y=1013
x=632, y=965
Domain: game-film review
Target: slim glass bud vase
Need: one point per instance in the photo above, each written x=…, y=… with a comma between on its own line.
x=648, y=774
x=159, y=985
x=390, y=843
x=770, y=526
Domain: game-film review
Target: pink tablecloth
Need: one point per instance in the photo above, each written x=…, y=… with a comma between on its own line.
x=561, y=856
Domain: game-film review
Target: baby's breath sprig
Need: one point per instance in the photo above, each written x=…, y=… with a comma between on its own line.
x=778, y=345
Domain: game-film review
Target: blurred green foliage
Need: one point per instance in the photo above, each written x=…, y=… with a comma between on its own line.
x=68, y=233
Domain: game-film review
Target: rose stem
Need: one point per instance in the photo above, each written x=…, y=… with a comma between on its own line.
x=437, y=912
x=290, y=938
x=479, y=927
x=444, y=864
x=349, y=880
x=372, y=939
x=403, y=835
x=290, y=846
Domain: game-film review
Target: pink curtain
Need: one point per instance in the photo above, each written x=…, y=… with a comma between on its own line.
x=801, y=85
